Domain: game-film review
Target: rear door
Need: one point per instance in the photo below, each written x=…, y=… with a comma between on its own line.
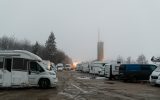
x=1, y=70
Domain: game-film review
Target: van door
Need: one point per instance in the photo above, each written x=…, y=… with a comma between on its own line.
x=34, y=73
x=7, y=72
x=145, y=72
x=1, y=70
x=107, y=71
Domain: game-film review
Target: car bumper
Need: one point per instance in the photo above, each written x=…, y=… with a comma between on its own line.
x=154, y=81
x=54, y=82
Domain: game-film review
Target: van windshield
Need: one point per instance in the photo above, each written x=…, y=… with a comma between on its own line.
x=46, y=66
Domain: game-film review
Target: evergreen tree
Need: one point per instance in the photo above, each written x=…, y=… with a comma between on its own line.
x=51, y=47
x=36, y=48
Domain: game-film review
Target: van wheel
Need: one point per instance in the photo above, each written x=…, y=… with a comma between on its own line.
x=44, y=83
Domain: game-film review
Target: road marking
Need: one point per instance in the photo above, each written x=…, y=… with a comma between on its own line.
x=79, y=88
x=67, y=94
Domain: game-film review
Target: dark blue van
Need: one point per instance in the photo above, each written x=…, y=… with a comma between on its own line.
x=133, y=72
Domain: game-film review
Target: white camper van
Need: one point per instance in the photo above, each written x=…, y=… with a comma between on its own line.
x=19, y=68
x=60, y=67
x=97, y=68
x=112, y=71
x=79, y=67
x=85, y=67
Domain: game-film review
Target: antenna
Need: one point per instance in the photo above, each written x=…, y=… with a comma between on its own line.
x=98, y=35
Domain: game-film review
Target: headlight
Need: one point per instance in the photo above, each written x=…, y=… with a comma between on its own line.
x=51, y=73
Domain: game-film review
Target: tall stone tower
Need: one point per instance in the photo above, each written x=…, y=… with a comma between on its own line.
x=100, y=49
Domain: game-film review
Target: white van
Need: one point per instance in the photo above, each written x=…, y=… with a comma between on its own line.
x=19, y=68
x=155, y=77
x=67, y=67
x=79, y=67
x=112, y=71
x=60, y=67
x=97, y=68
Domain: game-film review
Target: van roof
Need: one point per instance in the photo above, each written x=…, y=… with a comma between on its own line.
x=20, y=54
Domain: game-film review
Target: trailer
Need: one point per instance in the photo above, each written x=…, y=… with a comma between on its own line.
x=20, y=68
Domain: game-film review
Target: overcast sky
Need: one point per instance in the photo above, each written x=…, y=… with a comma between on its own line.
x=127, y=27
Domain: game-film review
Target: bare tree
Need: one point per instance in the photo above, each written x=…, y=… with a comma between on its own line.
x=120, y=59
x=129, y=60
x=142, y=59
x=7, y=43
x=47, y=52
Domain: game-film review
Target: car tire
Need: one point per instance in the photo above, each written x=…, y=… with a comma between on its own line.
x=44, y=83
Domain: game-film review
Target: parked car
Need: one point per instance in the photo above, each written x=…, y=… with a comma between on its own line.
x=60, y=67
x=134, y=72
x=155, y=77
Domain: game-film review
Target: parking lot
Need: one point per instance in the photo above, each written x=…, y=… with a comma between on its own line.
x=74, y=85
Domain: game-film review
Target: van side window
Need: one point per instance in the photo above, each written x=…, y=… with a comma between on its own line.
x=1, y=62
x=145, y=67
x=8, y=64
x=34, y=66
x=25, y=64
x=39, y=68
x=18, y=64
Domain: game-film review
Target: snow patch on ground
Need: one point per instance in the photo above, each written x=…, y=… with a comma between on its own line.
x=87, y=78
x=83, y=78
x=101, y=78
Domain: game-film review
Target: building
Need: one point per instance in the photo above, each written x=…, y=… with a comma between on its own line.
x=100, y=51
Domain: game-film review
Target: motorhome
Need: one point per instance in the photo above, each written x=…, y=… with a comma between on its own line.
x=85, y=67
x=112, y=71
x=20, y=68
x=97, y=68
x=79, y=67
